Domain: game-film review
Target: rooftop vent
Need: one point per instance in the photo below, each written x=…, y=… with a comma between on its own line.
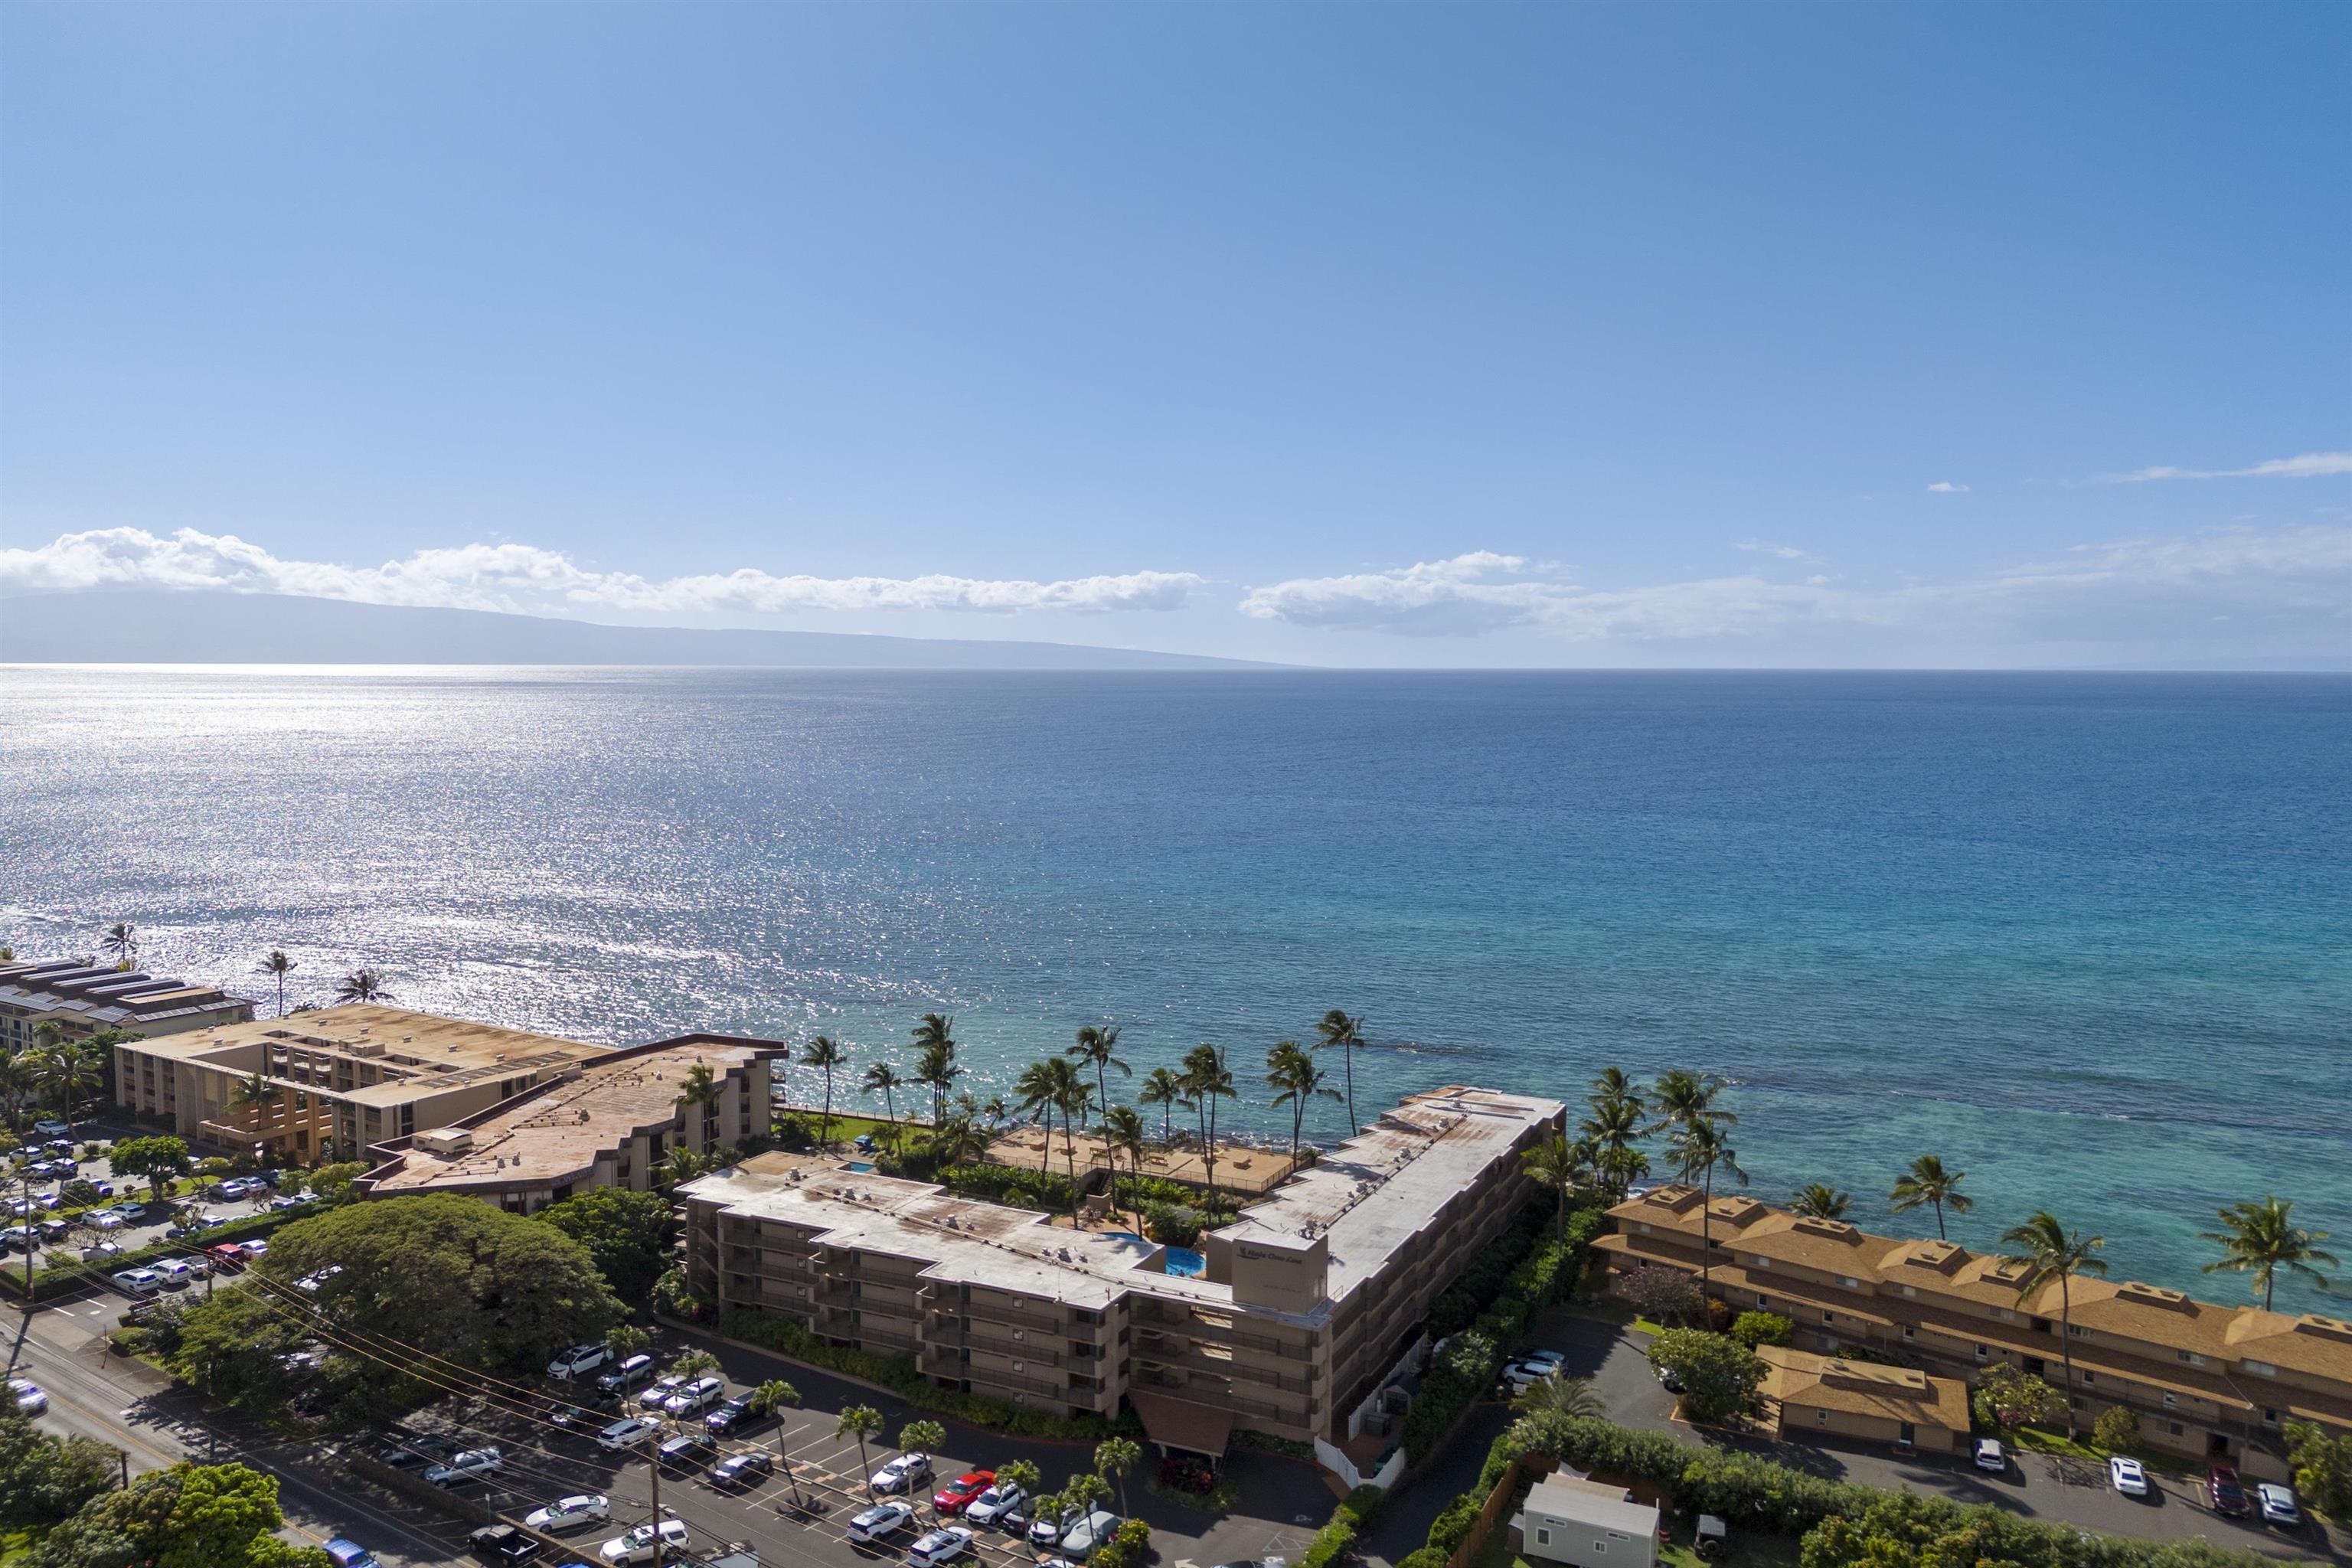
x=446, y=1141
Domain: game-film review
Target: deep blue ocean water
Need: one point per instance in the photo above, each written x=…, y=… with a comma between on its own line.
x=2087, y=936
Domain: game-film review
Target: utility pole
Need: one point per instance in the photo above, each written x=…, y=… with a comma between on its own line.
x=653, y=1453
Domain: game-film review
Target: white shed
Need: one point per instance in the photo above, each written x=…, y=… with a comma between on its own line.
x=1567, y=1518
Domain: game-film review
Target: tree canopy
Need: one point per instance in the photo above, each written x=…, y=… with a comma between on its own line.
x=190, y=1516
x=1717, y=1373
x=625, y=1232
x=452, y=1275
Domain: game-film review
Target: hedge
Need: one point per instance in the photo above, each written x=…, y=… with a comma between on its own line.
x=902, y=1377
x=1336, y=1541
x=1471, y=1362
x=1130, y=1546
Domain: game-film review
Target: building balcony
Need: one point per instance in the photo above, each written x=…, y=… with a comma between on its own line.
x=1016, y=1317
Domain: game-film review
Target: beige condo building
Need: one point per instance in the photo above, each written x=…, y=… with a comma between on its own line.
x=2204, y=1381
x=607, y=1122
x=1299, y=1309
x=338, y=1080
x=83, y=998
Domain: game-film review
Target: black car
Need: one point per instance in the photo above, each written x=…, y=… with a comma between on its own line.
x=687, y=1450
x=573, y=1418
x=745, y=1469
x=734, y=1413
x=405, y=1453
x=502, y=1543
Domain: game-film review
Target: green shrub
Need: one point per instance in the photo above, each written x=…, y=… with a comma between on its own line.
x=1719, y=1373
x=2116, y=1428
x=1754, y=1328
x=1172, y=1225
x=1129, y=1547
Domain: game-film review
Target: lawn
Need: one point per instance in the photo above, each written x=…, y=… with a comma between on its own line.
x=2034, y=1441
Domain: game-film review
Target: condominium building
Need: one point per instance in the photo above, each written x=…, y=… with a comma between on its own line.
x=82, y=998
x=328, y=1084
x=1282, y=1322
x=607, y=1122
x=2203, y=1380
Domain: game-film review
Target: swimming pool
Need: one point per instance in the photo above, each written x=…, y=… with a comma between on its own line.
x=863, y=1167
x=1183, y=1260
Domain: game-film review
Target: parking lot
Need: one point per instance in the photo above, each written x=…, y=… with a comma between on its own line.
x=126, y=1221
x=800, y=1512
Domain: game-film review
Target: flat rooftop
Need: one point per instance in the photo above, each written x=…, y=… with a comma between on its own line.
x=1374, y=1195
x=555, y=1133
x=102, y=996
x=419, y=1052
x=1380, y=1190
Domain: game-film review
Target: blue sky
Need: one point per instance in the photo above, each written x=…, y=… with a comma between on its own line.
x=1399, y=334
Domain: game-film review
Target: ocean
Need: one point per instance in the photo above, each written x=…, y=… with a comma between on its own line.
x=2087, y=936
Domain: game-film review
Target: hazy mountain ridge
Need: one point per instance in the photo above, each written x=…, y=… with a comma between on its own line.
x=201, y=627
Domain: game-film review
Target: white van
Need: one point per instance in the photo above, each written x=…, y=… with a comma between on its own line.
x=140, y=1282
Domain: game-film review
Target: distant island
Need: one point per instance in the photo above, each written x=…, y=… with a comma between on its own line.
x=137, y=626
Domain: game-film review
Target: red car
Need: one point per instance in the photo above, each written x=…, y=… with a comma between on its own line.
x=228, y=1254
x=2226, y=1493
x=957, y=1495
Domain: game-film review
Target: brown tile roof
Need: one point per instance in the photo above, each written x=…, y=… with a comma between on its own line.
x=1801, y=1380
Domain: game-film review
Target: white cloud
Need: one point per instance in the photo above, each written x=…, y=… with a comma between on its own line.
x=1946, y=487
x=2310, y=466
x=2295, y=580
x=1785, y=551
x=528, y=580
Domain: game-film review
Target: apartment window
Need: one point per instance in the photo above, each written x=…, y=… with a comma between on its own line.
x=1600, y=1549
x=1909, y=1333
x=2270, y=1417
x=2261, y=1369
x=1763, y=1300
x=2080, y=1403
x=1849, y=1283
x=1543, y=1536
x=1644, y=1226
x=1021, y=1366
x=1821, y=1418
x=2004, y=1314
x=1984, y=1352
x=1911, y=1290
x=2078, y=1330
x=2172, y=1399
x=1761, y=1262
x=2089, y=1378
x=2190, y=1357
x=2174, y=1427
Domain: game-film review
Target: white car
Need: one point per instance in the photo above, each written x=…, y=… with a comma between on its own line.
x=255, y=1249
x=942, y=1545
x=1990, y=1455
x=1550, y=1360
x=27, y=1395
x=879, y=1521
x=1080, y=1540
x=470, y=1464
x=2128, y=1476
x=902, y=1474
x=577, y=1360
x=179, y=1273
x=569, y=1513
x=994, y=1503
x=311, y=1282
x=2277, y=1503
x=140, y=1282
x=640, y=1544
x=1520, y=1376
x=658, y=1392
x=106, y=1219
x=1047, y=1529
x=696, y=1396
x=628, y=1434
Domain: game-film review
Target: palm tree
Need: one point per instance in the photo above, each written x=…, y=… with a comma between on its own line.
x=1926, y=1182
x=703, y=1090
x=958, y=1140
x=1681, y=1097
x=1699, y=1148
x=2047, y=1251
x=1037, y=1089
x=1207, y=1080
x=361, y=986
x=1075, y=1096
x=17, y=1083
x=1123, y=1133
x=626, y=1340
x=1559, y=1166
x=1084, y=1494
x=1166, y=1090
x=2260, y=1239
x=278, y=964
x=1290, y=1068
x=682, y=1166
x=1570, y=1397
x=121, y=940
x=1612, y=1130
x=1819, y=1200
x=883, y=1078
x=65, y=1078
x=1114, y=1456
x=1095, y=1047
x=1613, y=1087
x=935, y=1063
x=1336, y=1028
x=826, y=1053
x=862, y=1422
x=922, y=1437
x=253, y=1088
x=768, y=1399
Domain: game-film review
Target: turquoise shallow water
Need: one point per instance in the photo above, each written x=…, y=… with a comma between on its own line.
x=2089, y=937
